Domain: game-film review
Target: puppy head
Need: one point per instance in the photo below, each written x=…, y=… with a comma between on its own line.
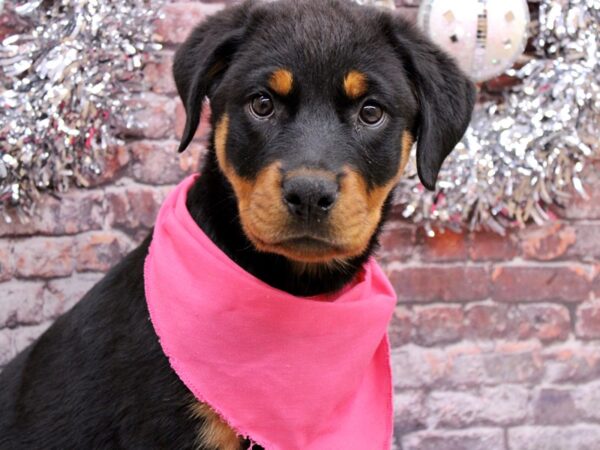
x=316, y=105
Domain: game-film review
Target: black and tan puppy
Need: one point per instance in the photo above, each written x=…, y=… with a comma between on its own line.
x=316, y=105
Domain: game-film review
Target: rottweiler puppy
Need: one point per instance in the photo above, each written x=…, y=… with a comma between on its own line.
x=316, y=105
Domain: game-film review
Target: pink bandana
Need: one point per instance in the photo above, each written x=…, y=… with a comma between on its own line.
x=289, y=373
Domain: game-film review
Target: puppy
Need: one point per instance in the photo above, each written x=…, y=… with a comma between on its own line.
x=315, y=108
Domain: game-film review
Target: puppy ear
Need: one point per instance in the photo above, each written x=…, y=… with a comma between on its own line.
x=203, y=58
x=445, y=96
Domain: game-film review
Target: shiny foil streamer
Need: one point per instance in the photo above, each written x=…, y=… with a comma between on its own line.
x=527, y=152
x=66, y=90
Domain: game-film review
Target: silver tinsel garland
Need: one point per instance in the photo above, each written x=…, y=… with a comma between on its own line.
x=526, y=152
x=65, y=90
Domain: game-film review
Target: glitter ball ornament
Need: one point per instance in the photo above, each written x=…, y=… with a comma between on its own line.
x=485, y=36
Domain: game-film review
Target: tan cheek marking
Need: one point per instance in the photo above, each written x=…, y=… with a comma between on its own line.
x=221, y=141
x=355, y=84
x=350, y=221
x=282, y=81
x=259, y=201
x=215, y=433
x=267, y=217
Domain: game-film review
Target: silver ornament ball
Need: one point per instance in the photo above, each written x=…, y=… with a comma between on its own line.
x=485, y=37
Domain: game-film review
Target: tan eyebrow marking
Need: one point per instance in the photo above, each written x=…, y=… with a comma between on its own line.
x=355, y=84
x=281, y=81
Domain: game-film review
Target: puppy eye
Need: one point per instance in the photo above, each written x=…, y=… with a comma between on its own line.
x=371, y=113
x=262, y=106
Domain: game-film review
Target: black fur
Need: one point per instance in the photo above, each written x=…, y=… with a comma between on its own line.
x=98, y=378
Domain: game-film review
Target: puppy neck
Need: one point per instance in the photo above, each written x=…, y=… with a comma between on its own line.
x=211, y=202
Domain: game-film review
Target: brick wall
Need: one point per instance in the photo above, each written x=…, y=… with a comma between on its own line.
x=496, y=339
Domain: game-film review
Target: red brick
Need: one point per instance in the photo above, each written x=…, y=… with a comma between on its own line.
x=588, y=321
x=548, y=242
x=134, y=206
x=20, y=303
x=569, y=283
x=465, y=364
x=486, y=321
x=587, y=399
x=409, y=412
x=554, y=406
x=438, y=324
x=153, y=116
x=397, y=242
x=471, y=365
x=417, y=367
x=400, y=328
x=435, y=283
x=158, y=75
x=571, y=362
x=6, y=260
x=181, y=17
x=74, y=212
x=587, y=243
x=501, y=405
x=470, y=439
x=203, y=131
x=115, y=162
x=545, y=322
x=514, y=362
x=578, y=437
x=99, y=251
x=157, y=162
x=44, y=257
x=445, y=246
x=487, y=246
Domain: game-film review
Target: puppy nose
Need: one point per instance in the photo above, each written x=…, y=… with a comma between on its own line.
x=310, y=197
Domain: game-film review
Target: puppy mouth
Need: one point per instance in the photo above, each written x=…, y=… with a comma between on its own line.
x=305, y=248
x=308, y=242
x=303, y=241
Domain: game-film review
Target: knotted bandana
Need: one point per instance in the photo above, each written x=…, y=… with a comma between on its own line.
x=289, y=373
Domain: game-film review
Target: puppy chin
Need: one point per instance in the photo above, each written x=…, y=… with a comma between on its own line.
x=303, y=250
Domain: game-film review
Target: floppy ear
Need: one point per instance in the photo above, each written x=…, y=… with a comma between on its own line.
x=444, y=94
x=203, y=58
